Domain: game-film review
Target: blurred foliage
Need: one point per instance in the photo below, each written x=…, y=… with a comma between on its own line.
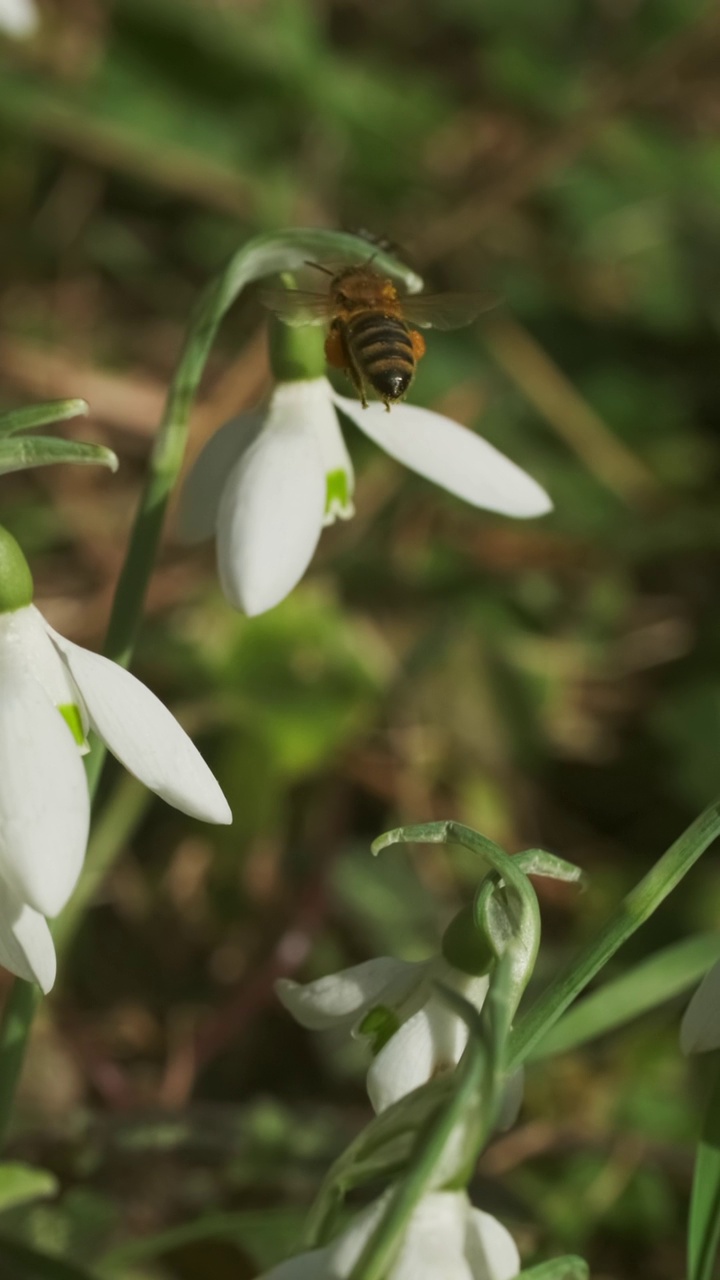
x=553, y=684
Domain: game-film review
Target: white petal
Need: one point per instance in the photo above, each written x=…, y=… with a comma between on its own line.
x=429, y=1043
x=700, y=1027
x=450, y=455
x=44, y=804
x=18, y=18
x=202, y=490
x=343, y=997
x=24, y=638
x=346, y=1250
x=489, y=1248
x=26, y=946
x=434, y=1242
x=273, y=505
x=142, y=733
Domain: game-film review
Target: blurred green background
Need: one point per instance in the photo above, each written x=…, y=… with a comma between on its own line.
x=552, y=683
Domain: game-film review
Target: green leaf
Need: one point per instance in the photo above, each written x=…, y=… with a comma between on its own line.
x=662, y=977
x=21, y=1183
x=37, y=415
x=264, y=1233
x=704, y=1224
x=538, y=862
x=569, y=1267
x=637, y=907
x=42, y=451
x=20, y=1262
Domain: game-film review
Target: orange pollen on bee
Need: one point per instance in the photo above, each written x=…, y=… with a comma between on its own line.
x=389, y=292
x=418, y=344
x=334, y=350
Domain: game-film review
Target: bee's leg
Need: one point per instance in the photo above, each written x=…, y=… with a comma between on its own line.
x=418, y=344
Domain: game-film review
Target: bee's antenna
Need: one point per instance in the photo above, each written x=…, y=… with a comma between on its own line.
x=326, y=270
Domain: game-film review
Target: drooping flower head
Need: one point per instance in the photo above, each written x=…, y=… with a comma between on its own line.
x=52, y=693
x=267, y=483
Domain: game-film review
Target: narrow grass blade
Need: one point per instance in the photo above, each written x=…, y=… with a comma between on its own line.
x=660, y=978
x=704, y=1225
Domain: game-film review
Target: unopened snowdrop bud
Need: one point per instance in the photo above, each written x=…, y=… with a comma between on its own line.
x=52, y=692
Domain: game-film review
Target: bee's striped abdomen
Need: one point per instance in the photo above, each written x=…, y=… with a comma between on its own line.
x=381, y=347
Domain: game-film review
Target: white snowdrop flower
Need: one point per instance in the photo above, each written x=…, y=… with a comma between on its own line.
x=396, y=1005
x=18, y=18
x=52, y=692
x=445, y=1237
x=267, y=484
x=700, y=1027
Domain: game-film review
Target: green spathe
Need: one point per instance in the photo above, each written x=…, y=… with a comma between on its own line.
x=465, y=947
x=16, y=584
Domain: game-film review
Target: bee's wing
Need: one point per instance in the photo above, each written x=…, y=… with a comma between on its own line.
x=445, y=310
x=297, y=306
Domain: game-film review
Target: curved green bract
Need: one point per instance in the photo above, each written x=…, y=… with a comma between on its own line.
x=44, y=451
x=506, y=907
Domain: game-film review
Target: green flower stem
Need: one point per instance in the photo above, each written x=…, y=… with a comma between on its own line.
x=636, y=908
x=265, y=255
x=19, y=1013
x=115, y=825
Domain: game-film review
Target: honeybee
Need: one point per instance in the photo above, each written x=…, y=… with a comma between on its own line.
x=370, y=335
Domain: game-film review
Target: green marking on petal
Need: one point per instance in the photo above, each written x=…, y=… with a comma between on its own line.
x=379, y=1025
x=71, y=715
x=337, y=495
